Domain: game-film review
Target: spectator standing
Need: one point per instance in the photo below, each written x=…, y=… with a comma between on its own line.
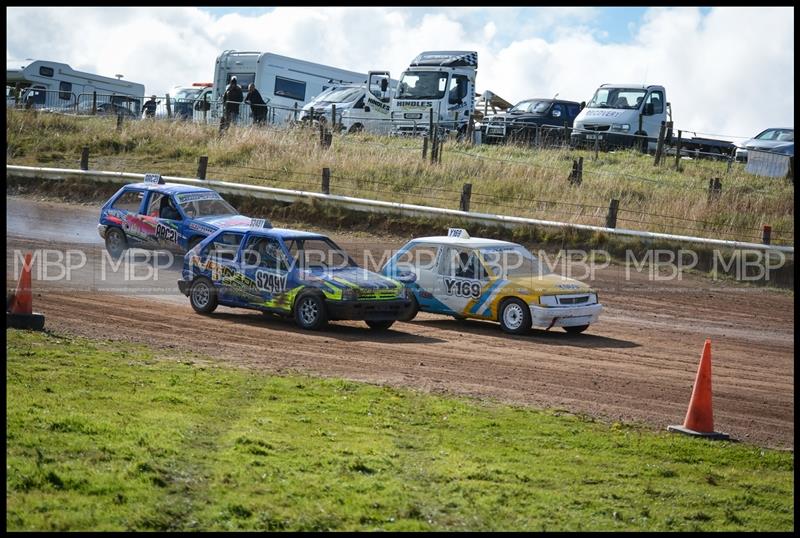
x=149, y=107
x=232, y=98
x=257, y=104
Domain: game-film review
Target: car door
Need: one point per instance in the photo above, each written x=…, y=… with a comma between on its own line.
x=124, y=212
x=265, y=265
x=460, y=279
x=221, y=259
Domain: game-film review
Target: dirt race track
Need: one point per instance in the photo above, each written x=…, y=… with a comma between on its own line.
x=636, y=364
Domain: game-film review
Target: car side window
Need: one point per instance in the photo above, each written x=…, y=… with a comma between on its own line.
x=225, y=246
x=460, y=263
x=129, y=201
x=154, y=204
x=573, y=110
x=265, y=253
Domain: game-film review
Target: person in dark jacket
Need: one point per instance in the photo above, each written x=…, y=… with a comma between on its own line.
x=232, y=98
x=149, y=107
x=257, y=104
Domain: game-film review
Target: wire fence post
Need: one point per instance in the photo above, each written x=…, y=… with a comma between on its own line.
x=660, y=145
x=466, y=194
x=596, y=145
x=611, y=218
x=566, y=133
x=119, y=121
x=85, y=158
x=202, y=166
x=678, y=151
x=333, y=118
x=714, y=189
x=205, y=108
x=424, y=148
x=766, y=234
x=311, y=118
x=295, y=111
x=326, y=181
x=430, y=129
x=94, y=103
x=169, y=106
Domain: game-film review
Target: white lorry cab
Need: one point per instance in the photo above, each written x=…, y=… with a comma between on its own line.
x=617, y=111
x=56, y=86
x=441, y=81
x=359, y=107
x=285, y=84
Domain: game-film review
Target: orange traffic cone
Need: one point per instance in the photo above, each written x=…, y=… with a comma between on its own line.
x=699, y=419
x=19, y=314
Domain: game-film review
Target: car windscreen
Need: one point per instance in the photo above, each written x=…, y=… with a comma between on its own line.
x=422, y=85
x=205, y=205
x=628, y=98
x=188, y=93
x=344, y=95
x=512, y=261
x=318, y=254
x=783, y=135
x=532, y=107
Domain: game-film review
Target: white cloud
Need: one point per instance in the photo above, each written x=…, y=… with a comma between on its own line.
x=728, y=72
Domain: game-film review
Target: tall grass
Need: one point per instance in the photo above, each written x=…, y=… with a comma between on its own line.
x=511, y=180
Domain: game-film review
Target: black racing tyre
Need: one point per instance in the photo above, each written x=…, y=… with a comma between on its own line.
x=116, y=242
x=381, y=325
x=309, y=312
x=412, y=311
x=575, y=329
x=514, y=316
x=203, y=296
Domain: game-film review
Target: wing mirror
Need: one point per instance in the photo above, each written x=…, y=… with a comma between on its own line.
x=406, y=277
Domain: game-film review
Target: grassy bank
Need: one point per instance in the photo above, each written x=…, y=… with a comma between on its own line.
x=104, y=436
x=505, y=179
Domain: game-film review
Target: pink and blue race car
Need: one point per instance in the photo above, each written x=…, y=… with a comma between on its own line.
x=157, y=215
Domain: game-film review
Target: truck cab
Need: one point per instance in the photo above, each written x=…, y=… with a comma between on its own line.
x=616, y=112
x=441, y=81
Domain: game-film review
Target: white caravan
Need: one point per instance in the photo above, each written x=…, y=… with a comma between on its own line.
x=54, y=85
x=359, y=107
x=440, y=80
x=615, y=111
x=285, y=83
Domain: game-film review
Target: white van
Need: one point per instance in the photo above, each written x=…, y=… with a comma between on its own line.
x=56, y=86
x=614, y=113
x=356, y=108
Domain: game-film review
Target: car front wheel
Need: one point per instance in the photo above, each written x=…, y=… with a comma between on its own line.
x=309, y=312
x=515, y=316
x=116, y=243
x=203, y=296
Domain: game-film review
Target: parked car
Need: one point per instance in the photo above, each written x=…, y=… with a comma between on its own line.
x=521, y=120
x=113, y=109
x=159, y=215
x=469, y=277
x=775, y=140
x=290, y=273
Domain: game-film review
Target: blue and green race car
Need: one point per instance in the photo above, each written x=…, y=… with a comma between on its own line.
x=288, y=272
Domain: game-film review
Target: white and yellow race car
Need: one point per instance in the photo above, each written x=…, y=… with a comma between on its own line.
x=470, y=277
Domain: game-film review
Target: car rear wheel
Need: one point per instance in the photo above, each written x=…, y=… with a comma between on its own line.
x=379, y=325
x=116, y=242
x=203, y=296
x=515, y=316
x=575, y=329
x=309, y=312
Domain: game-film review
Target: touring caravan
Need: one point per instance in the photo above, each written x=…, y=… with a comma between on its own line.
x=285, y=83
x=54, y=85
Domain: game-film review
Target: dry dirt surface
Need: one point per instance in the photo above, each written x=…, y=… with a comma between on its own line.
x=637, y=364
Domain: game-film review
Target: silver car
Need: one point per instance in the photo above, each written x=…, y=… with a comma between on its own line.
x=775, y=140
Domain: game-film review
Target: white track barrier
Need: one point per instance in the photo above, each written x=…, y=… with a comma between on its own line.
x=363, y=204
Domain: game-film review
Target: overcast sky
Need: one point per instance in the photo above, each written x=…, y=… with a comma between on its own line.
x=727, y=70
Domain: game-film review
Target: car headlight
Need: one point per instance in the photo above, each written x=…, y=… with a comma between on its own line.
x=620, y=126
x=548, y=300
x=349, y=295
x=403, y=294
